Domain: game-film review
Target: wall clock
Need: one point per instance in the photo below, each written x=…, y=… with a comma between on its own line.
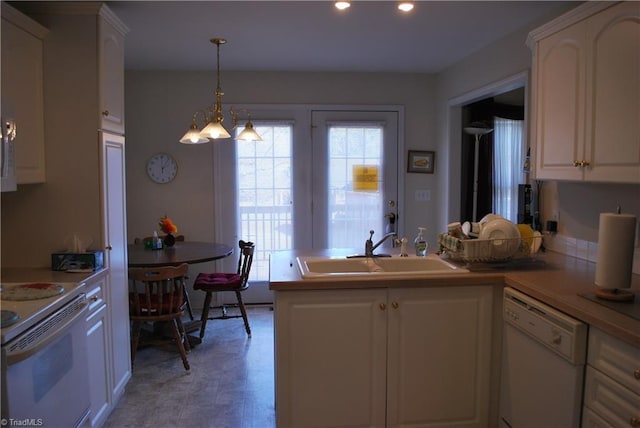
x=162, y=168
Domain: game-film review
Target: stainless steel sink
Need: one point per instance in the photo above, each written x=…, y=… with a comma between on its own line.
x=392, y=267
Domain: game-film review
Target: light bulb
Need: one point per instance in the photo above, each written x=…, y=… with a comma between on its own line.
x=405, y=6
x=342, y=5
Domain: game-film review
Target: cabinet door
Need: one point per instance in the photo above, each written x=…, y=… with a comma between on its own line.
x=330, y=358
x=97, y=343
x=111, y=76
x=115, y=242
x=22, y=92
x=439, y=357
x=99, y=351
x=560, y=103
x=613, y=122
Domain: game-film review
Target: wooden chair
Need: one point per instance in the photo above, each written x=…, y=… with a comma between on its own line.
x=179, y=238
x=157, y=294
x=218, y=282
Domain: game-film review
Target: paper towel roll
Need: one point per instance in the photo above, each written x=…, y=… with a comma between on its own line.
x=615, y=250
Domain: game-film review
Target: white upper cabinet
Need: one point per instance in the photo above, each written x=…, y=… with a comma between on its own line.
x=586, y=84
x=111, y=33
x=22, y=91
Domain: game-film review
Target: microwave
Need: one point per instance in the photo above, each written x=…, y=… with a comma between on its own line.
x=7, y=150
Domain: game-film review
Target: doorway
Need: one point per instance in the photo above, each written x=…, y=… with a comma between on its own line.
x=491, y=163
x=456, y=123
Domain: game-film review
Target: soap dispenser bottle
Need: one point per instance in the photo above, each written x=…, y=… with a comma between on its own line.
x=420, y=243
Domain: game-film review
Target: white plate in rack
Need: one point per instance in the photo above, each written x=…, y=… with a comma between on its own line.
x=504, y=236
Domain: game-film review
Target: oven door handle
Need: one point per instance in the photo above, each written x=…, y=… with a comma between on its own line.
x=15, y=356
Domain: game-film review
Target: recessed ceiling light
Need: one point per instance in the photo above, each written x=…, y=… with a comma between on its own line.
x=342, y=5
x=405, y=6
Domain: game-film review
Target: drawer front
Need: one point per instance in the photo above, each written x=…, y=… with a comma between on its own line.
x=591, y=420
x=611, y=401
x=95, y=295
x=615, y=358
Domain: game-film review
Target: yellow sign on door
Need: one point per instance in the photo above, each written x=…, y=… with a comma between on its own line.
x=366, y=178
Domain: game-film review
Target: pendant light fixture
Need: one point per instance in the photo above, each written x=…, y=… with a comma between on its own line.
x=214, y=130
x=405, y=6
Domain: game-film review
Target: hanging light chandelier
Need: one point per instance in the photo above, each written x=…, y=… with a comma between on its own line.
x=212, y=116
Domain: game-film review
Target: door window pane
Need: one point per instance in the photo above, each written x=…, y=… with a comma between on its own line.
x=352, y=213
x=265, y=194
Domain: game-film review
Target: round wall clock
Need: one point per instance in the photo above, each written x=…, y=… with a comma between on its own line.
x=162, y=168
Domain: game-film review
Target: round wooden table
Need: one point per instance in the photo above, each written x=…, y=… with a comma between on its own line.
x=189, y=252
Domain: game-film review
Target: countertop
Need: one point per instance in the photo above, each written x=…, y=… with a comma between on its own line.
x=46, y=275
x=552, y=278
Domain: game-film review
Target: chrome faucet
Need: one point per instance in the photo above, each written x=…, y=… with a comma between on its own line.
x=370, y=247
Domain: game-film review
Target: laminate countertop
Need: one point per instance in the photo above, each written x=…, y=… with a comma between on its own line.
x=558, y=280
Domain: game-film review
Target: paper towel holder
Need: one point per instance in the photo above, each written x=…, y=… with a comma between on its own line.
x=615, y=294
x=616, y=289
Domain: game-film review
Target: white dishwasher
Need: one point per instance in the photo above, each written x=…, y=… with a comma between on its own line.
x=543, y=363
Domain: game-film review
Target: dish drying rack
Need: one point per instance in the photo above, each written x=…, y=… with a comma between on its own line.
x=488, y=250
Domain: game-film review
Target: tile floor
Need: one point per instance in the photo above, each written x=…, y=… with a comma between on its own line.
x=230, y=384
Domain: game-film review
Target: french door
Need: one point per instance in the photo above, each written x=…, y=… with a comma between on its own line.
x=354, y=184
x=298, y=189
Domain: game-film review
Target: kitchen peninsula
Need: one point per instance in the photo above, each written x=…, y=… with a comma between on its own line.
x=395, y=340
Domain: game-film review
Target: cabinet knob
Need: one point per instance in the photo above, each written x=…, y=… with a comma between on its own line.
x=576, y=163
x=636, y=374
x=105, y=113
x=94, y=299
x=581, y=163
x=394, y=305
x=634, y=422
x=108, y=248
x=383, y=306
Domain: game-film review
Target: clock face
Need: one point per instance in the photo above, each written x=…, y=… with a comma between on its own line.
x=162, y=168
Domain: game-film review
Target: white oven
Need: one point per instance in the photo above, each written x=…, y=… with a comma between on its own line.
x=44, y=365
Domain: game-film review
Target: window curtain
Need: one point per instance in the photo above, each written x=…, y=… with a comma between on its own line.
x=507, y=161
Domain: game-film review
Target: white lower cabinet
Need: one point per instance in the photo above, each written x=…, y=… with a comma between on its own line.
x=98, y=346
x=612, y=387
x=418, y=357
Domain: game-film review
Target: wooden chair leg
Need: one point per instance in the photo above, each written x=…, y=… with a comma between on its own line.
x=205, y=313
x=244, y=313
x=178, y=339
x=188, y=302
x=183, y=335
x=135, y=338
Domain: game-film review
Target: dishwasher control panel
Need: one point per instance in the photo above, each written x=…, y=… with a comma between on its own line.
x=559, y=332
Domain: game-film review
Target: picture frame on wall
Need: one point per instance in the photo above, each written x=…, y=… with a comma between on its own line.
x=421, y=161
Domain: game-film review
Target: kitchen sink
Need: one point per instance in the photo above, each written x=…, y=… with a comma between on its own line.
x=374, y=267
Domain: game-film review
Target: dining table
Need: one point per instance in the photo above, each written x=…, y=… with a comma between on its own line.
x=190, y=252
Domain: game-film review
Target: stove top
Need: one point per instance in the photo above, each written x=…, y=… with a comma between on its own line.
x=630, y=308
x=50, y=297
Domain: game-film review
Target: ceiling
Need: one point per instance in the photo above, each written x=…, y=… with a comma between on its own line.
x=371, y=36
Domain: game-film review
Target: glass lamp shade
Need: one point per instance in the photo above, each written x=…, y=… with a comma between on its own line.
x=248, y=133
x=405, y=6
x=193, y=136
x=215, y=130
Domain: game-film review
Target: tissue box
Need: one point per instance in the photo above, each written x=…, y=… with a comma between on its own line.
x=74, y=262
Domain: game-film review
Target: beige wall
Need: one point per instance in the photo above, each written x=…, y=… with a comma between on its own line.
x=578, y=204
x=159, y=106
